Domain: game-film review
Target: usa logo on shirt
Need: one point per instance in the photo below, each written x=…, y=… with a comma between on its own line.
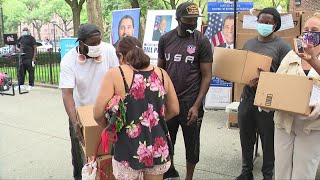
x=191, y=49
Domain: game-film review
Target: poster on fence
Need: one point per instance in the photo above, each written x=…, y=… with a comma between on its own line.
x=220, y=32
x=66, y=44
x=125, y=22
x=159, y=23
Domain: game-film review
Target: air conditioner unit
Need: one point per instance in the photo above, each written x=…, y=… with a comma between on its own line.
x=297, y=2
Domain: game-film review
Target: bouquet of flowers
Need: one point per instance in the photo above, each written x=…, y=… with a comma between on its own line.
x=116, y=117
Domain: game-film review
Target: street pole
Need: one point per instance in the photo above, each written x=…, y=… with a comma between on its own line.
x=54, y=36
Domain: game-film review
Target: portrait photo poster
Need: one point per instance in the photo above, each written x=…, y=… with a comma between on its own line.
x=118, y=15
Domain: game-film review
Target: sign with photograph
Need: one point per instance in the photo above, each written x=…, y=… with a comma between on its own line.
x=220, y=32
x=125, y=23
x=158, y=23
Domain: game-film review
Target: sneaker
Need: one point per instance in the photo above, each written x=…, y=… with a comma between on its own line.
x=245, y=177
x=17, y=87
x=171, y=174
x=29, y=88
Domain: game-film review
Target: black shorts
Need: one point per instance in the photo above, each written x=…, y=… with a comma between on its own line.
x=191, y=133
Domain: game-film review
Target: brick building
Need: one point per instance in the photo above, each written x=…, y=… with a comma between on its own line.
x=304, y=5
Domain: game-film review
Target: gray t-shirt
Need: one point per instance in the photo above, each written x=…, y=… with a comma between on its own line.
x=277, y=49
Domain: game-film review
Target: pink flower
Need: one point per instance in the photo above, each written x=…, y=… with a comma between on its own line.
x=145, y=154
x=162, y=110
x=155, y=83
x=113, y=104
x=138, y=87
x=125, y=163
x=150, y=117
x=133, y=130
x=160, y=148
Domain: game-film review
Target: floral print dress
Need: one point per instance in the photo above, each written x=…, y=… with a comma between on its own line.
x=144, y=141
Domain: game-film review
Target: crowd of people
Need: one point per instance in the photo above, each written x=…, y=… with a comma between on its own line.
x=160, y=99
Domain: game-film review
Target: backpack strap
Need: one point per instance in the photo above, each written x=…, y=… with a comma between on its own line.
x=162, y=77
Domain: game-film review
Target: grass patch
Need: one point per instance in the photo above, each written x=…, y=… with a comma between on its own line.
x=42, y=73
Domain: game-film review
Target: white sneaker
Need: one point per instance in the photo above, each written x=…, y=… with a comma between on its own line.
x=29, y=88
x=17, y=87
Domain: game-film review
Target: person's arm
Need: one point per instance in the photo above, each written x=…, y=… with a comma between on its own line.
x=172, y=103
x=206, y=75
x=34, y=50
x=106, y=92
x=161, y=56
x=205, y=59
x=310, y=56
x=69, y=105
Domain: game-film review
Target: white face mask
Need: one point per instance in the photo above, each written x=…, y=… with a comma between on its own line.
x=94, y=51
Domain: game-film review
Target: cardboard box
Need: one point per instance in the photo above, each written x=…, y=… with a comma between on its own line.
x=238, y=65
x=286, y=92
x=296, y=31
x=242, y=38
x=305, y=15
x=104, y=163
x=91, y=132
x=233, y=118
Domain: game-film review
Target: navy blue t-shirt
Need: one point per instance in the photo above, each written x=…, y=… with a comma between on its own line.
x=183, y=56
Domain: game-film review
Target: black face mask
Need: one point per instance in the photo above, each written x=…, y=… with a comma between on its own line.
x=312, y=38
x=189, y=28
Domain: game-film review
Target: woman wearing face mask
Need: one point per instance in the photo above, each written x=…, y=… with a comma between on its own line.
x=251, y=120
x=144, y=143
x=297, y=148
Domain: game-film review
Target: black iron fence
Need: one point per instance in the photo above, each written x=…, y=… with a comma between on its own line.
x=47, y=69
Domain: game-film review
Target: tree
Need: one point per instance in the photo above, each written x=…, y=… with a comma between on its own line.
x=37, y=14
x=59, y=8
x=76, y=7
x=94, y=14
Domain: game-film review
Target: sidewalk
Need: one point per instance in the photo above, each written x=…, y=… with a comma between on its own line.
x=34, y=141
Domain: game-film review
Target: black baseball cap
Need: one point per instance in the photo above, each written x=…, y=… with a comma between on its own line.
x=86, y=31
x=187, y=10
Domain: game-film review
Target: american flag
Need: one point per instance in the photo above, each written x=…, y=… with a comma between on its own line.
x=214, y=30
x=157, y=23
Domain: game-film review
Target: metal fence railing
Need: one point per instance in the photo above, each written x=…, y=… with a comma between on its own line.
x=47, y=67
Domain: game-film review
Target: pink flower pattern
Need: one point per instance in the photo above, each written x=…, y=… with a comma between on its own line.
x=145, y=154
x=149, y=118
x=162, y=110
x=156, y=84
x=143, y=132
x=133, y=130
x=138, y=87
x=160, y=148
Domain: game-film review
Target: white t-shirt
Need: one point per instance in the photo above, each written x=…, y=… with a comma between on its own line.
x=85, y=79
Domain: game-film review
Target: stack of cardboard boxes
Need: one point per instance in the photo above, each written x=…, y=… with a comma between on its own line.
x=242, y=35
x=91, y=136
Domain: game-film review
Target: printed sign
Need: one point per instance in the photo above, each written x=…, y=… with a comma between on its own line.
x=67, y=44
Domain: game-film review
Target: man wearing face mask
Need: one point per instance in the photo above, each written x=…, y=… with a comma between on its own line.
x=251, y=120
x=186, y=54
x=28, y=45
x=82, y=71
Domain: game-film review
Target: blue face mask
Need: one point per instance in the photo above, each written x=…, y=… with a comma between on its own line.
x=25, y=33
x=265, y=29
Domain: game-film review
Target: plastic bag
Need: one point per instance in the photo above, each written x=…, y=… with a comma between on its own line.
x=89, y=171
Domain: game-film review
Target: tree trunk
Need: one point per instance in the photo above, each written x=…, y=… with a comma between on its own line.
x=76, y=10
x=76, y=21
x=94, y=14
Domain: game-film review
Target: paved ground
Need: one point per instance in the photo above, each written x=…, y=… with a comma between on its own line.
x=34, y=141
